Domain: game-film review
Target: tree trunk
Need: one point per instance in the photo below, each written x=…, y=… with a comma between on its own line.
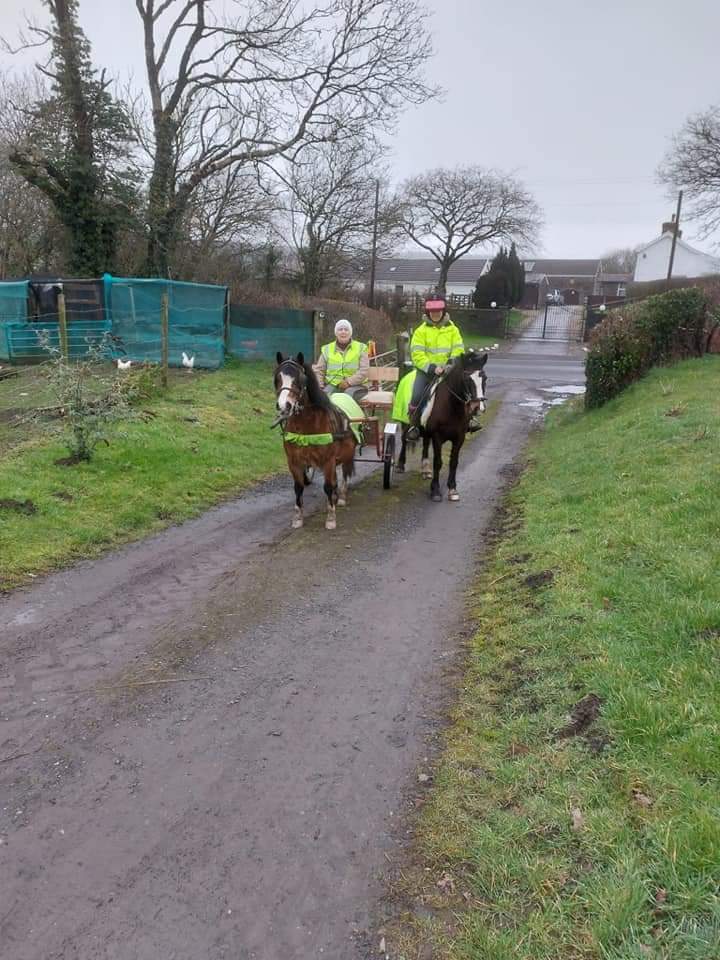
x=162, y=210
x=443, y=277
x=312, y=267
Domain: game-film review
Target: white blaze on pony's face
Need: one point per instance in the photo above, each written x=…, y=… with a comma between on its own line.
x=479, y=383
x=284, y=401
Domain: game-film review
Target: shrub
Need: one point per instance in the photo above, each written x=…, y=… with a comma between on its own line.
x=658, y=330
x=89, y=406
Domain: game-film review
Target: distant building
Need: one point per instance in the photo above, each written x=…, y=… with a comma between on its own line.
x=653, y=259
x=574, y=279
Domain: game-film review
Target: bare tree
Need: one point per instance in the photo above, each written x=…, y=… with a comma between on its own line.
x=620, y=260
x=29, y=231
x=693, y=164
x=330, y=192
x=263, y=80
x=449, y=213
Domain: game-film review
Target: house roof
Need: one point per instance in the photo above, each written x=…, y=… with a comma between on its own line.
x=566, y=268
x=615, y=277
x=679, y=243
x=425, y=269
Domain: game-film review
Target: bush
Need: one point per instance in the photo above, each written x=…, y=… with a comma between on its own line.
x=659, y=330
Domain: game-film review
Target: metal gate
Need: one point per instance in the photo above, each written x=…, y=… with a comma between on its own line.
x=551, y=322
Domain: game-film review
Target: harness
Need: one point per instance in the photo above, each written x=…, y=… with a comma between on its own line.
x=298, y=389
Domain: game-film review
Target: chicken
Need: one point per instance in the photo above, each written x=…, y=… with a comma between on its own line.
x=188, y=362
x=124, y=364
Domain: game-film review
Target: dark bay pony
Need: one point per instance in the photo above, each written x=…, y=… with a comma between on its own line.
x=315, y=433
x=459, y=395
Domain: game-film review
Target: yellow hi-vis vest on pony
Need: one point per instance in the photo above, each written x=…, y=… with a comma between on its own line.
x=342, y=364
x=435, y=343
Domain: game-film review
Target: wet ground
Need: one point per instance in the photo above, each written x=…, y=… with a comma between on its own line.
x=205, y=738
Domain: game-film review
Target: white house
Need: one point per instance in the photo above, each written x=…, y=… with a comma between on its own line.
x=653, y=259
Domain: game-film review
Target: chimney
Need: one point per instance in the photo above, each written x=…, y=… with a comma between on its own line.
x=670, y=227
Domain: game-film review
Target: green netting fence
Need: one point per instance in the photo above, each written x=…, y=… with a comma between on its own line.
x=257, y=333
x=196, y=319
x=13, y=309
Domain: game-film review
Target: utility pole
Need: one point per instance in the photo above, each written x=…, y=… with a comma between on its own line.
x=674, y=240
x=371, y=296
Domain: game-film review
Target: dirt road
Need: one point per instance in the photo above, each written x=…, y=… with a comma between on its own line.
x=245, y=811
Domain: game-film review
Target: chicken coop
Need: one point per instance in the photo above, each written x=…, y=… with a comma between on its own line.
x=128, y=309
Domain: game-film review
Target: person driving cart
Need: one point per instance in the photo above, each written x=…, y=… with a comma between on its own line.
x=343, y=365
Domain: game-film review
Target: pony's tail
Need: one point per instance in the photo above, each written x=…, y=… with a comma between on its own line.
x=348, y=469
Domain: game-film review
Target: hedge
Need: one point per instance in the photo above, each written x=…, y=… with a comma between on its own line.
x=636, y=337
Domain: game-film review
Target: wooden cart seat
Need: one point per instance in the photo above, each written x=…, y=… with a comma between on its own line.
x=378, y=398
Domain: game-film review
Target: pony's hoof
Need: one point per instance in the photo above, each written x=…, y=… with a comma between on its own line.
x=341, y=502
x=297, y=523
x=426, y=470
x=453, y=496
x=436, y=497
x=330, y=523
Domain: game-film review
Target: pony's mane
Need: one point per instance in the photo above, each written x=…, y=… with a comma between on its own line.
x=316, y=395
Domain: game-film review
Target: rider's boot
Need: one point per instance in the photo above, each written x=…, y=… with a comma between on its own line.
x=413, y=434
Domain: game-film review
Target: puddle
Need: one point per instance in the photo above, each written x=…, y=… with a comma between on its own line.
x=570, y=389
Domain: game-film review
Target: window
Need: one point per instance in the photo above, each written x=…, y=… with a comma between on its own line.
x=621, y=290
x=437, y=269
x=398, y=288
x=393, y=269
x=529, y=265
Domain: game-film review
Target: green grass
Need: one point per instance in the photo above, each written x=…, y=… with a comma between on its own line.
x=209, y=440
x=621, y=506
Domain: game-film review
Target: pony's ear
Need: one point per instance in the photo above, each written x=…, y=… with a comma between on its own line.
x=300, y=359
x=483, y=359
x=279, y=357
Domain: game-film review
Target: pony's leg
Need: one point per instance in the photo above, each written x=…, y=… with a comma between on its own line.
x=435, y=495
x=343, y=491
x=400, y=465
x=299, y=478
x=425, y=468
x=330, y=488
x=454, y=457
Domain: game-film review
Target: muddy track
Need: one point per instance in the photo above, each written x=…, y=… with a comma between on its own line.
x=243, y=812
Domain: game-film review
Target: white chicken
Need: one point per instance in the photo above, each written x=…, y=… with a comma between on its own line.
x=124, y=364
x=188, y=362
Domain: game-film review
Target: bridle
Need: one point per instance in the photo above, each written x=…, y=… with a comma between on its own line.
x=470, y=395
x=296, y=390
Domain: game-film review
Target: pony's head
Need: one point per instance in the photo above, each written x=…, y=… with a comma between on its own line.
x=290, y=384
x=473, y=368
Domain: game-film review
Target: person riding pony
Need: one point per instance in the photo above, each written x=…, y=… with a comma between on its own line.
x=434, y=345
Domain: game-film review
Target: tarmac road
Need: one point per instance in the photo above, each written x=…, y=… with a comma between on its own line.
x=244, y=811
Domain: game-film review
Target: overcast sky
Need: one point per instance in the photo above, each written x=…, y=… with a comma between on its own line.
x=577, y=97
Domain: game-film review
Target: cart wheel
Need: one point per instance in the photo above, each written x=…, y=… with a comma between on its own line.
x=388, y=462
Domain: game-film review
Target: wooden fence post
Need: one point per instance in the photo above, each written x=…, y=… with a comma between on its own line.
x=62, y=325
x=318, y=317
x=164, y=336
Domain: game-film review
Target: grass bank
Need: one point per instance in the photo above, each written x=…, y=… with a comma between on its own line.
x=208, y=440
x=576, y=813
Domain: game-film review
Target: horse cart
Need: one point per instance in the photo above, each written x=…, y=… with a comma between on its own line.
x=380, y=435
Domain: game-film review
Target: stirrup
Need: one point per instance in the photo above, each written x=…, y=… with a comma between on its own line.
x=474, y=426
x=413, y=434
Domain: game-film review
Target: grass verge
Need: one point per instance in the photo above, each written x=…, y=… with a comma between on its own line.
x=208, y=440
x=576, y=811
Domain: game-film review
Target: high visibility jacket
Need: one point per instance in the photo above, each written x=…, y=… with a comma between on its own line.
x=434, y=344
x=342, y=364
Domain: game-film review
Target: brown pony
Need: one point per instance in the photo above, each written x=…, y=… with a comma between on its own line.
x=315, y=432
